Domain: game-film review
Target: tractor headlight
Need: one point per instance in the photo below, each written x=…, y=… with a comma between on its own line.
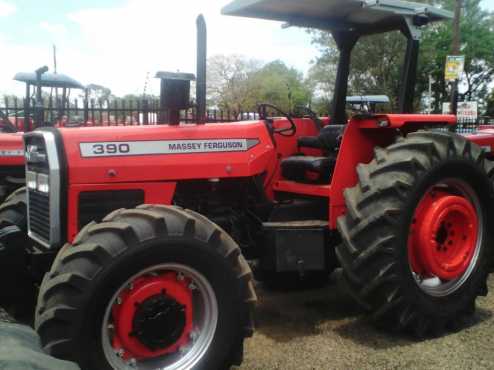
x=43, y=183
x=31, y=180
x=38, y=181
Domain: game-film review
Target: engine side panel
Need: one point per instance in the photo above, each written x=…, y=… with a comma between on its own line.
x=166, y=153
x=11, y=149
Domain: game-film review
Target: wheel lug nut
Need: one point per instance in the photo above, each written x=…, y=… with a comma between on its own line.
x=180, y=276
x=192, y=286
x=132, y=362
x=120, y=352
x=119, y=300
x=193, y=335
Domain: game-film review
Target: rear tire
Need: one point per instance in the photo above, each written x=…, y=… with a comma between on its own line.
x=87, y=276
x=17, y=289
x=377, y=268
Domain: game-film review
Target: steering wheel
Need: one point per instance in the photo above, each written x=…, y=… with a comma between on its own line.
x=288, y=131
x=6, y=125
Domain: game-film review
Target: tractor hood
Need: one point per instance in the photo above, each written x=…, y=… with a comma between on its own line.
x=165, y=153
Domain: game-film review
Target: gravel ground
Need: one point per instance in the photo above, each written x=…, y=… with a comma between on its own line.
x=322, y=330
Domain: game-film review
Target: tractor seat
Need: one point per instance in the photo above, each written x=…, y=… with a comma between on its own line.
x=308, y=169
x=328, y=139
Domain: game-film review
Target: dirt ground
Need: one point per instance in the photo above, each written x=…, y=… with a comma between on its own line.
x=322, y=329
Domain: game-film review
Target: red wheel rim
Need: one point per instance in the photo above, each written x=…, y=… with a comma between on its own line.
x=443, y=235
x=174, y=289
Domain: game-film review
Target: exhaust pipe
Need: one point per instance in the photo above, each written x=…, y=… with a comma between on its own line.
x=201, y=68
x=39, y=113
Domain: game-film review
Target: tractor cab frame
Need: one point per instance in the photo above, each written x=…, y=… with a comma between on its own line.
x=33, y=115
x=348, y=21
x=35, y=82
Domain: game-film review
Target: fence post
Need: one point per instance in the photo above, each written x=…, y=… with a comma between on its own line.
x=145, y=112
x=86, y=109
x=16, y=113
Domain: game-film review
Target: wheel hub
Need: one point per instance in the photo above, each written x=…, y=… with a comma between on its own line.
x=443, y=236
x=159, y=322
x=153, y=316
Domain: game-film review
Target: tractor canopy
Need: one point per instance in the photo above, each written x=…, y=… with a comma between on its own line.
x=49, y=80
x=363, y=16
x=348, y=20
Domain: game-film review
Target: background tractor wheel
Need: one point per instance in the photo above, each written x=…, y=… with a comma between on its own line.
x=417, y=236
x=155, y=284
x=17, y=292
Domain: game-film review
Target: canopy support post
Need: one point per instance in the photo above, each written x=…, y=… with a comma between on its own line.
x=345, y=40
x=409, y=73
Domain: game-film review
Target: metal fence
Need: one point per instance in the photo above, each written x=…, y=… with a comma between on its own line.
x=467, y=126
x=134, y=112
x=106, y=112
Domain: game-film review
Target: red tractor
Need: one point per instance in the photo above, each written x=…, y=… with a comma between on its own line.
x=151, y=228
x=12, y=126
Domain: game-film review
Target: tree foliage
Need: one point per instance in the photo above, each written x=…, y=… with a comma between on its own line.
x=377, y=60
x=237, y=83
x=98, y=92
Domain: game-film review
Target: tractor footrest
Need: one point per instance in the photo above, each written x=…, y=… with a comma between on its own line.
x=297, y=246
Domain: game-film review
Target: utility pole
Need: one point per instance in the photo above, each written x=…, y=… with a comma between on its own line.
x=429, y=104
x=455, y=50
x=54, y=59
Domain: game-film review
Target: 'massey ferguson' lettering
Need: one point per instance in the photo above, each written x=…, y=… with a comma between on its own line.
x=222, y=145
x=133, y=148
x=185, y=146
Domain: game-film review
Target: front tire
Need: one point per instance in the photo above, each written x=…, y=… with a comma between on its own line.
x=17, y=291
x=106, y=283
x=400, y=256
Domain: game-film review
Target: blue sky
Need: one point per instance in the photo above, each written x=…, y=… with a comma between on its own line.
x=117, y=42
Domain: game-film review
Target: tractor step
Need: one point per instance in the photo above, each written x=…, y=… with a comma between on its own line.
x=301, y=188
x=295, y=246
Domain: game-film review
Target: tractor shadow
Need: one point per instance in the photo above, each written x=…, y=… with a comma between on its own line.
x=286, y=314
x=362, y=332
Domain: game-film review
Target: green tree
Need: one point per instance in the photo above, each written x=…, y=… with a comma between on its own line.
x=237, y=83
x=477, y=44
x=280, y=85
x=228, y=84
x=490, y=105
x=377, y=60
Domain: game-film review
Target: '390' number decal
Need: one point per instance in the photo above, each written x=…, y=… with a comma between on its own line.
x=102, y=149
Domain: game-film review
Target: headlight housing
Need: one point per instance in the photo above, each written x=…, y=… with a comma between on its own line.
x=43, y=185
x=31, y=180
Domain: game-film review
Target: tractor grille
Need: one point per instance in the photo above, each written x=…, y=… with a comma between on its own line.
x=39, y=214
x=43, y=183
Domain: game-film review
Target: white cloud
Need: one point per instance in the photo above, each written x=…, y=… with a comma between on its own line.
x=150, y=35
x=118, y=46
x=6, y=9
x=488, y=4
x=57, y=30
